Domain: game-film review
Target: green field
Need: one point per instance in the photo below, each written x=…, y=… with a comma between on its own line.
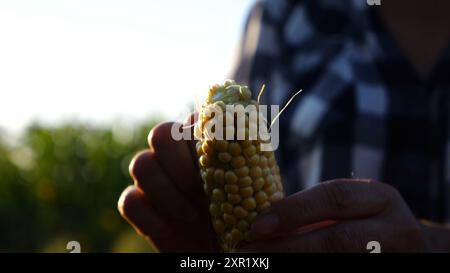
x=61, y=183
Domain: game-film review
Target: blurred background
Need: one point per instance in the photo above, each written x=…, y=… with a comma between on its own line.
x=81, y=84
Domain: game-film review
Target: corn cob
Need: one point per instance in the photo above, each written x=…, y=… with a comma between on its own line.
x=240, y=179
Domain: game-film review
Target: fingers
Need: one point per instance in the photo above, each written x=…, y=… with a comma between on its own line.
x=333, y=200
x=343, y=237
x=136, y=209
x=160, y=190
x=175, y=158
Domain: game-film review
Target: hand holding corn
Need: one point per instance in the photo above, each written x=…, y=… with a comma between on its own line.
x=168, y=204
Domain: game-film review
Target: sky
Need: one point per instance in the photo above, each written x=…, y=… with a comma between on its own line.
x=107, y=60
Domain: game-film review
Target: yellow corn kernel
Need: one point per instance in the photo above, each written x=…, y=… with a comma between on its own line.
x=250, y=151
x=245, y=181
x=218, y=195
x=224, y=157
x=234, y=198
x=249, y=203
x=234, y=149
x=237, y=162
x=258, y=184
x=219, y=176
x=221, y=145
x=240, y=212
x=231, y=177
x=229, y=219
x=227, y=208
x=231, y=188
x=244, y=171
x=263, y=206
x=253, y=160
x=246, y=192
x=255, y=172
x=261, y=197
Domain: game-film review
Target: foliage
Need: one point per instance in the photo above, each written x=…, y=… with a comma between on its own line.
x=62, y=183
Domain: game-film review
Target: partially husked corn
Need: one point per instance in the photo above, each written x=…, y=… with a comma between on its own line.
x=239, y=179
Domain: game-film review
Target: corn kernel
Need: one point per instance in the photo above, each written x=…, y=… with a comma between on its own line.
x=219, y=176
x=229, y=219
x=276, y=196
x=245, y=181
x=234, y=198
x=227, y=208
x=224, y=157
x=263, y=206
x=258, y=184
x=250, y=151
x=231, y=188
x=262, y=161
x=221, y=145
x=218, y=195
x=270, y=189
x=214, y=209
x=245, y=93
x=238, y=162
x=245, y=143
x=255, y=172
x=244, y=171
x=253, y=160
x=240, y=212
x=231, y=177
x=249, y=203
x=234, y=149
x=271, y=161
x=246, y=192
x=261, y=197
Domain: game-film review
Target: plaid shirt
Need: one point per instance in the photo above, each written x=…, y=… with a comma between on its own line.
x=364, y=112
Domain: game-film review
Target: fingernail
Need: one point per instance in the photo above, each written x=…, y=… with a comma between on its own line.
x=265, y=224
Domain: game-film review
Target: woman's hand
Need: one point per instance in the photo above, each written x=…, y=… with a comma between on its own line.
x=167, y=204
x=364, y=211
